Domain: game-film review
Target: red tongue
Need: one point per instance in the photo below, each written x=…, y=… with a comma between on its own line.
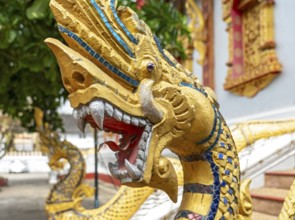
x=112, y=145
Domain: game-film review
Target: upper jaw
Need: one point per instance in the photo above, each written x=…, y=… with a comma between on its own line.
x=132, y=149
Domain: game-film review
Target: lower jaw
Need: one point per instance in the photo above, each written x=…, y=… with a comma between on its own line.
x=133, y=172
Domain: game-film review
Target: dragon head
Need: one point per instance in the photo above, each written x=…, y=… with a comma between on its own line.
x=120, y=80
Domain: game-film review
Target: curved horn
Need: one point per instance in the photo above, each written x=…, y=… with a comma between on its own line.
x=148, y=104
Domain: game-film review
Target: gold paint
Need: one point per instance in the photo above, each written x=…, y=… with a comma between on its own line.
x=245, y=208
x=197, y=28
x=288, y=209
x=186, y=116
x=201, y=168
x=260, y=64
x=190, y=199
x=247, y=133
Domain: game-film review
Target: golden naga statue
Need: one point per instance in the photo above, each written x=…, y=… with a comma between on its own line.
x=120, y=80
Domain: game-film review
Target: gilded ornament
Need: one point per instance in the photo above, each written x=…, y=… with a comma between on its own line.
x=120, y=80
x=251, y=30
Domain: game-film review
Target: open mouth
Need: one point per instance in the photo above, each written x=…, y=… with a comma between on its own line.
x=135, y=132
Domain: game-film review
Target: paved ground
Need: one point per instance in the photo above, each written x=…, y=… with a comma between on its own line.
x=25, y=196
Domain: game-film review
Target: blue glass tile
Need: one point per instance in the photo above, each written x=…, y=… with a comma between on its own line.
x=92, y=53
x=111, y=29
x=220, y=156
x=216, y=184
x=87, y=48
x=229, y=159
x=221, y=144
x=225, y=201
x=227, y=172
x=230, y=191
x=121, y=24
x=70, y=34
x=230, y=210
x=223, y=183
x=157, y=41
x=210, y=217
x=97, y=56
x=80, y=42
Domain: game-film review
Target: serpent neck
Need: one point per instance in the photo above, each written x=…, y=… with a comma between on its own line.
x=211, y=179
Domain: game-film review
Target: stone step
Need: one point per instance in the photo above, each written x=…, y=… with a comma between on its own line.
x=263, y=216
x=279, y=179
x=268, y=200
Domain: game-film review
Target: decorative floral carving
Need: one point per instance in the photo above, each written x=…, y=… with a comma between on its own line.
x=253, y=63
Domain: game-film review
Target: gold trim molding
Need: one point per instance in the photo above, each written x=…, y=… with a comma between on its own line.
x=253, y=63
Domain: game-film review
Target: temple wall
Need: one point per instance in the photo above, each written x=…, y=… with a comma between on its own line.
x=279, y=96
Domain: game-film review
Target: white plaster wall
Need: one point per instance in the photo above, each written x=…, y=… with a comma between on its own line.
x=281, y=92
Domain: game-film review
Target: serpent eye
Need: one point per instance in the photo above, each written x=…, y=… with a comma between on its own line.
x=150, y=67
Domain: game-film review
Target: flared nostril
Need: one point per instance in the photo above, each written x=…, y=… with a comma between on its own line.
x=78, y=77
x=74, y=80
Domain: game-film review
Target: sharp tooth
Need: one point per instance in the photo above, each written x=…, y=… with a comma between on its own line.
x=87, y=109
x=148, y=128
x=126, y=180
x=118, y=115
x=141, y=154
x=97, y=112
x=83, y=111
x=134, y=121
x=114, y=170
x=81, y=124
x=126, y=119
x=109, y=109
x=123, y=174
x=79, y=120
x=142, y=145
x=75, y=113
x=132, y=170
x=139, y=163
x=145, y=136
x=142, y=123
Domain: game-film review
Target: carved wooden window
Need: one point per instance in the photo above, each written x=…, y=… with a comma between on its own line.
x=253, y=63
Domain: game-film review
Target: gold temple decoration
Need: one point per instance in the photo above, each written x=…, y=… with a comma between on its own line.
x=197, y=28
x=288, y=209
x=201, y=25
x=253, y=63
x=64, y=201
x=113, y=66
x=246, y=133
x=120, y=80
